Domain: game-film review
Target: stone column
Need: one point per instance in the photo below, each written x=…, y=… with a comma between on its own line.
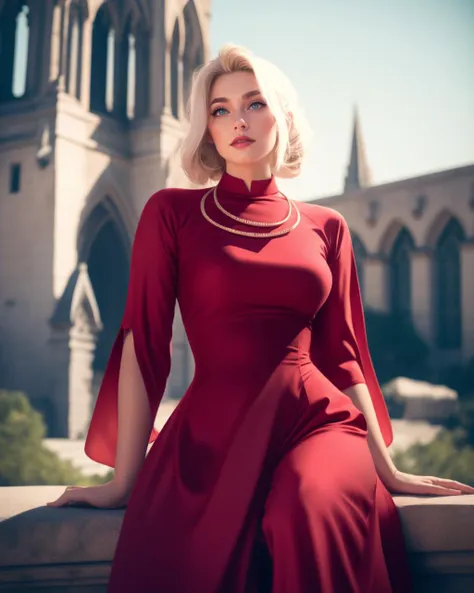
x=81, y=390
x=422, y=294
x=86, y=63
x=467, y=298
x=375, y=284
x=55, y=47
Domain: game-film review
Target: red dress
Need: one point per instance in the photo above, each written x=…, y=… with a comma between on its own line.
x=261, y=480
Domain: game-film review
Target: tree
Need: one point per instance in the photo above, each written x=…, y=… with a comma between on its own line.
x=24, y=459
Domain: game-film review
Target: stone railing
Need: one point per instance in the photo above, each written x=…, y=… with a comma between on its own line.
x=69, y=550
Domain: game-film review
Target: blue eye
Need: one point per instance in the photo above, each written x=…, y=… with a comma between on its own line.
x=259, y=103
x=216, y=112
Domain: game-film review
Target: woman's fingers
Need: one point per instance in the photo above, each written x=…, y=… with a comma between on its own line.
x=453, y=484
x=71, y=494
x=440, y=490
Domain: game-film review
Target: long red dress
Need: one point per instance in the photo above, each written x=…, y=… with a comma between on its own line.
x=261, y=480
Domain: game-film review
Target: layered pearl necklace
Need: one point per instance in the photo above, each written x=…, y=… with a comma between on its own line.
x=275, y=233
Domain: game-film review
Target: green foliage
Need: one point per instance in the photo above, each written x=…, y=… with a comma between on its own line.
x=24, y=460
x=396, y=348
x=448, y=456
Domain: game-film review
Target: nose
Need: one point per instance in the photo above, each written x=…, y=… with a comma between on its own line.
x=240, y=124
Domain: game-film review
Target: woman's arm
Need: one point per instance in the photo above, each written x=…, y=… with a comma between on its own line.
x=394, y=480
x=384, y=465
x=134, y=418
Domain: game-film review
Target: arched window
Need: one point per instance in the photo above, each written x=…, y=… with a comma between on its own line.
x=74, y=50
x=360, y=255
x=400, y=275
x=193, y=55
x=14, y=42
x=131, y=76
x=175, y=70
x=102, y=62
x=448, y=278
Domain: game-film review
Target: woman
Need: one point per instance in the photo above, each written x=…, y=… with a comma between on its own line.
x=272, y=472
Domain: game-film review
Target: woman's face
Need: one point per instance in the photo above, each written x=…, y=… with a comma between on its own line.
x=237, y=109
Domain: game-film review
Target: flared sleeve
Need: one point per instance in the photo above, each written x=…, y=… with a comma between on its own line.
x=149, y=313
x=339, y=346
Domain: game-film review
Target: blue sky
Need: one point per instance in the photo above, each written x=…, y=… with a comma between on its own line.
x=408, y=64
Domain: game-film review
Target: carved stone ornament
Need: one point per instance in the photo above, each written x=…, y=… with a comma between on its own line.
x=373, y=213
x=421, y=201
x=45, y=150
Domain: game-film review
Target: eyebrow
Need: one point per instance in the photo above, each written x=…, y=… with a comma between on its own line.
x=244, y=96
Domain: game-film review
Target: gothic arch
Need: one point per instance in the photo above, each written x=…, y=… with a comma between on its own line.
x=78, y=14
x=193, y=53
x=106, y=202
x=447, y=289
x=102, y=83
x=103, y=244
x=438, y=225
x=399, y=262
x=390, y=235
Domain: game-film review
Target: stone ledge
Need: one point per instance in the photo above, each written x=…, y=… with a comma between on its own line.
x=69, y=550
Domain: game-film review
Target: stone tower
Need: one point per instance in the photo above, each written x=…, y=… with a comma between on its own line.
x=92, y=96
x=358, y=173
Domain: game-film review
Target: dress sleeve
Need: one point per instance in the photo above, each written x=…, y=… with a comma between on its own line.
x=149, y=313
x=339, y=346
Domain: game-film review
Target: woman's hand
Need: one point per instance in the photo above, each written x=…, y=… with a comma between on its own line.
x=402, y=483
x=106, y=496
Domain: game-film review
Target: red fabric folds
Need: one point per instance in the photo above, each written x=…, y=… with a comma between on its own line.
x=339, y=345
x=149, y=313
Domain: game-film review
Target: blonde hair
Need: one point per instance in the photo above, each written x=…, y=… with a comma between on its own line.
x=200, y=159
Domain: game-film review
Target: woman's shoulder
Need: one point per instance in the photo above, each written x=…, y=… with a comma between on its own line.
x=331, y=221
x=175, y=202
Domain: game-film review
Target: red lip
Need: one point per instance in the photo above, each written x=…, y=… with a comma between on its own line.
x=241, y=139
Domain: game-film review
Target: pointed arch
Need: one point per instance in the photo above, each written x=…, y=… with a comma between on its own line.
x=400, y=274
x=78, y=14
x=193, y=55
x=438, y=226
x=447, y=278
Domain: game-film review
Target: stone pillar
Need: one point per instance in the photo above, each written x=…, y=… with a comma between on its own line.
x=59, y=349
x=55, y=62
x=86, y=63
x=467, y=299
x=375, y=284
x=166, y=81
x=81, y=389
x=422, y=294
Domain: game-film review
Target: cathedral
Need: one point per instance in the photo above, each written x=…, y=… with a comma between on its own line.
x=86, y=136
x=92, y=128
x=414, y=245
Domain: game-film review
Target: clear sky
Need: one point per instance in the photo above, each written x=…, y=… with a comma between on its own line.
x=408, y=64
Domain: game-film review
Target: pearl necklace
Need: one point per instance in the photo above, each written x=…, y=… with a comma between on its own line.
x=275, y=233
x=251, y=222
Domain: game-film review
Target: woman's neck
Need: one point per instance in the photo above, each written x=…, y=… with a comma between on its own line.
x=249, y=173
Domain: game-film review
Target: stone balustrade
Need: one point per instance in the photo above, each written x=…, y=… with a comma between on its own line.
x=69, y=550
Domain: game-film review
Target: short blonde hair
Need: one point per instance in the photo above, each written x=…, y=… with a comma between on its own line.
x=200, y=160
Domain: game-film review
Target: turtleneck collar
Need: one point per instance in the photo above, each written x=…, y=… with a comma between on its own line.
x=259, y=187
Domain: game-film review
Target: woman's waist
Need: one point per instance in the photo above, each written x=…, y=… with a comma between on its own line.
x=239, y=346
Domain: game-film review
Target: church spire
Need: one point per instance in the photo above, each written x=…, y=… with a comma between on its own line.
x=358, y=172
